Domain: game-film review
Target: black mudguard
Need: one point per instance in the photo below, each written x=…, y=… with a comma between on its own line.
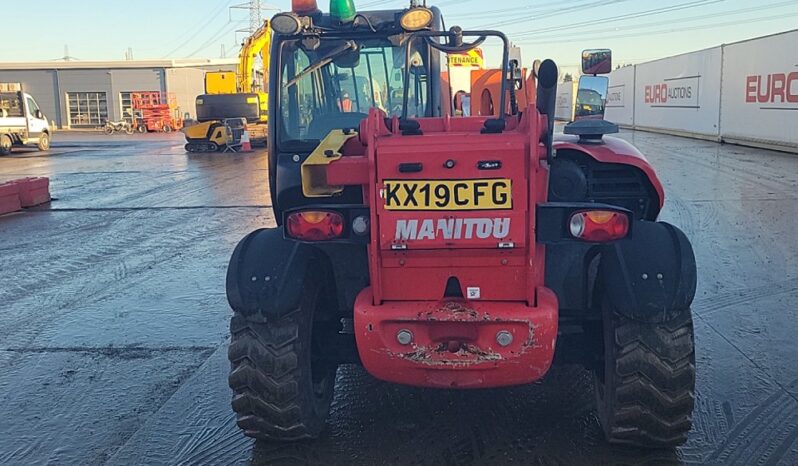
x=650, y=277
x=267, y=272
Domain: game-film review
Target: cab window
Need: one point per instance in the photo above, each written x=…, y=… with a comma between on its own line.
x=32, y=107
x=11, y=103
x=340, y=92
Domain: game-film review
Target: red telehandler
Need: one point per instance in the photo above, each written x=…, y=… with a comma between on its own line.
x=449, y=252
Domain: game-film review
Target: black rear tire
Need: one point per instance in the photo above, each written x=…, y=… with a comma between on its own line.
x=646, y=388
x=5, y=144
x=281, y=390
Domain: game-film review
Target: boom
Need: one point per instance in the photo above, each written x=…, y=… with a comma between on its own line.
x=254, y=46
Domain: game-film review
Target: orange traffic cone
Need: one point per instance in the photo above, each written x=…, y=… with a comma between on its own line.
x=246, y=146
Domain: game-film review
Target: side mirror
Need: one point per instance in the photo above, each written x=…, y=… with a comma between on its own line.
x=516, y=68
x=38, y=114
x=349, y=59
x=591, y=98
x=598, y=61
x=516, y=75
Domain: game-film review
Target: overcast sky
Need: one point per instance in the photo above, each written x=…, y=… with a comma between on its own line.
x=636, y=30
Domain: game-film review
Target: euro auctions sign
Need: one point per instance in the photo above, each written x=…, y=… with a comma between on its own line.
x=773, y=88
x=472, y=59
x=674, y=92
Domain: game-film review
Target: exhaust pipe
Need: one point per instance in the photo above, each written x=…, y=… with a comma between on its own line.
x=547, y=99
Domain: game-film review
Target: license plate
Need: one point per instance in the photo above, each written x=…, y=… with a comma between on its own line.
x=487, y=194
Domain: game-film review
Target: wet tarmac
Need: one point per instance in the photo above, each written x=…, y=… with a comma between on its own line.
x=113, y=323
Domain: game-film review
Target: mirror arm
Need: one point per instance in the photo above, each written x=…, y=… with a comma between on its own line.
x=513, y=97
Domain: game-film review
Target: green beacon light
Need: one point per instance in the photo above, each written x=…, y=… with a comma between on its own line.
x=343, y=10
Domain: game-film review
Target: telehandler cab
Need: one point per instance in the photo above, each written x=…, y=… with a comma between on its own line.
x=449, y=252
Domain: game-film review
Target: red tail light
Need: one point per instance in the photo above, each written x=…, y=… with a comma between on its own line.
x=599, y=225
x=304, y=7
x=315, y=225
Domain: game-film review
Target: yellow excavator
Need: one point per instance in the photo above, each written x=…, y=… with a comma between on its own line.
x=234, y=101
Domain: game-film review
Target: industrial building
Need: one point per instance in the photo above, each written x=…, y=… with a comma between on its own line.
x=84, y=94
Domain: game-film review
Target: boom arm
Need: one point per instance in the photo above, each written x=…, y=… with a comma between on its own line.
x=255, y=44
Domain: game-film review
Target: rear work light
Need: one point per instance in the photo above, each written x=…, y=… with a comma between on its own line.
x=416, y=18
x=286, y=24
x=599, y=225
x=304, y=7
x=315, y=225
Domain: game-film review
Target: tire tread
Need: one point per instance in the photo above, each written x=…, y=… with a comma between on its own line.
x=265, y=378
x=654, y=379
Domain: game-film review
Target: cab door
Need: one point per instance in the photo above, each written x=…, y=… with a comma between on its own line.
x=37, y=121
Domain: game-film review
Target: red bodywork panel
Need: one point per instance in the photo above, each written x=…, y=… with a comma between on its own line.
x=467, y=150
x=490, y=251
x=420, y=271
x=477, y=361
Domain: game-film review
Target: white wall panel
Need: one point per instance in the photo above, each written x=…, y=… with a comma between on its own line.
x=760, y=90
x=566, y=93
x=621, y=96
x=186, y=84
x=680, y=94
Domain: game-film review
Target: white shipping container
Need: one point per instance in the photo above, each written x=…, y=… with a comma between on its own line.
x=621, y=97
x=680, y=94
x=760, y=91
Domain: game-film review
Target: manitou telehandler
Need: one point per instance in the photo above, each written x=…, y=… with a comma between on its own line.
x=449, y=252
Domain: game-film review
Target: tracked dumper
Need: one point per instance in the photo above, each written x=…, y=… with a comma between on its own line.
x=443, y=252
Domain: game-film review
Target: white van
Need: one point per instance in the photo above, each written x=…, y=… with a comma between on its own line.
x=22, y=123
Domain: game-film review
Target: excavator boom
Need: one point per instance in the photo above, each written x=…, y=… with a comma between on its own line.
x=248, y=79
